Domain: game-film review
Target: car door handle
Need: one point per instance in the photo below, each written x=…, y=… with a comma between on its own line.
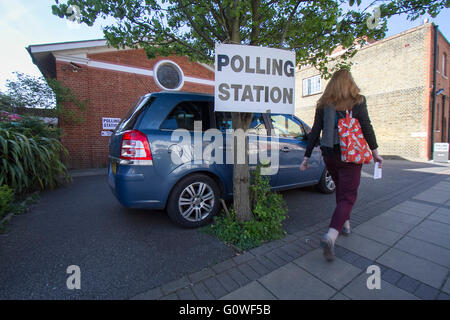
x=285, y=149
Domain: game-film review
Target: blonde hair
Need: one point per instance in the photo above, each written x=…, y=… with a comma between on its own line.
x=341, y=92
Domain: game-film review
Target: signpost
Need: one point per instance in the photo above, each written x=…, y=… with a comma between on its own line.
x=254, y=79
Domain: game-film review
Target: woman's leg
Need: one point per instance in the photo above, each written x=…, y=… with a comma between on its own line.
x=349, y=176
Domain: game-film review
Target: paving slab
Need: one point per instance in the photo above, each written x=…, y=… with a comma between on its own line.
x=357, y=290
x=414, y=207
x=252, y=291
x=415, y=267
x=391, y=224
x=402, y=217
x=291, y=282
x=377, y=233
x=428, y=235
x=426, y=250
x=440, y=217
x=433, y=196
x=436, y=226
x=446, y=287
x=445, y=211
x=336, y=274
x=443, y=185
x=363, y=246
x=340, y=296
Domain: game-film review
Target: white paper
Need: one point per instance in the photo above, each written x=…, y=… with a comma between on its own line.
x=377, y=171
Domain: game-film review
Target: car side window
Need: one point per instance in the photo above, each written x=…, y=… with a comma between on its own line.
x=257, y=126
x=286, y=126
x=185, y=114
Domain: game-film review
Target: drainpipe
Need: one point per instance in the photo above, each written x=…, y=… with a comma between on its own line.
x=443, y=119
x=433, y=104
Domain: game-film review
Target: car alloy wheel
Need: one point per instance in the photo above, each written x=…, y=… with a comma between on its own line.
x=196, y=201
x=329, y=181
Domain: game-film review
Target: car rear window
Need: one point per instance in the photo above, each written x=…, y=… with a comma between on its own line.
x=131, y=117
x=185, y=114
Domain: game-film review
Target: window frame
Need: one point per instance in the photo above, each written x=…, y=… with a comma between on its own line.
x=311, y=93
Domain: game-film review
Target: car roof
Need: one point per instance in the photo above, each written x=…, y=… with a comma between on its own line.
x=181, y=93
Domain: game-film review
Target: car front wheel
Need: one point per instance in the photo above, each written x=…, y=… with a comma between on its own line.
x=194, y=201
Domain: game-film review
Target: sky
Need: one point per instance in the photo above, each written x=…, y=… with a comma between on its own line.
x=26, y=22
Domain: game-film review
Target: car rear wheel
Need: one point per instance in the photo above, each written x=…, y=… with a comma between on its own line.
x=194, y=201
x=326, y=184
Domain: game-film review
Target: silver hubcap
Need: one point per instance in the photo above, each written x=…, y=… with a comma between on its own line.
x=329, y=181
x=196, y=201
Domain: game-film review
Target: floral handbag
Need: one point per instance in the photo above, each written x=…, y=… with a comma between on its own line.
x=354, y=147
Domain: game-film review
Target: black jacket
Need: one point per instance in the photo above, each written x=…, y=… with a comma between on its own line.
x=359, y=111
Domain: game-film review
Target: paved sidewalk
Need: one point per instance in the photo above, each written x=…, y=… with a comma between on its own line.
x=409, y=242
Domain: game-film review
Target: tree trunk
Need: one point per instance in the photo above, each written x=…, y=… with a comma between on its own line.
x=241, y=173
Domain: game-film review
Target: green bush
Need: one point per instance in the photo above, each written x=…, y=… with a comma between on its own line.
x=30, y=163
x=6, y=198
x=269, y=211
x=31, y=127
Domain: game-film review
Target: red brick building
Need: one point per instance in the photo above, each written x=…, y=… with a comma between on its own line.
x=111, y=80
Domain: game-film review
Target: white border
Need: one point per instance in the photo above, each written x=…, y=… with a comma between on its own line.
x=128, y=69
x=155, y=74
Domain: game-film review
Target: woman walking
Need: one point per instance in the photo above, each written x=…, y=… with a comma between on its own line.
x=341, y=94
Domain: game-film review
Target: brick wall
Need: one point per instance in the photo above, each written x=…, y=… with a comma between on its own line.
x=112, y=94
x=392, y=74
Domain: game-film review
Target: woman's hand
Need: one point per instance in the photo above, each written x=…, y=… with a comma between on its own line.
x=377, y=158
x=304, y=164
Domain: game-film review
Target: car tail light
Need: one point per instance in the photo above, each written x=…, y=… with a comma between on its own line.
x=135, y=148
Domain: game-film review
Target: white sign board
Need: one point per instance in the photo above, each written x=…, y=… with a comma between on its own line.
x=254, y=79
x=440, y=152
x=106, y=133
x=110, y=123
x=441, y=147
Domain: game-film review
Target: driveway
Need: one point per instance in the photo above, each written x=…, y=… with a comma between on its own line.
x=123, y=252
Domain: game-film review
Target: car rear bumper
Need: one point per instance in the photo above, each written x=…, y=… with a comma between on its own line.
x=136, y=186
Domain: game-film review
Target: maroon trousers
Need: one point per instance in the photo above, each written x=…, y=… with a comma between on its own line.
x=346, y=177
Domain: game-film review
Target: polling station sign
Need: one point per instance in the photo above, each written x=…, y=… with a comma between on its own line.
x=110, y=123
x=254, y=79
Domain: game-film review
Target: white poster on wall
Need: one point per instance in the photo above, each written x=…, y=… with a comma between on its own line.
x=106, y=133
x=254, y=79
x=110, y=123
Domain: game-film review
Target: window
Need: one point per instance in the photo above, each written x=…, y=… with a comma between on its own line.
x=257, y=126
x=444, y=64
x=223, y=121
x=437, y=59
x=168, y=75
x=312, y=85
x=437, y=118
x=185, y=114
x=286, y=126
x=128, y=122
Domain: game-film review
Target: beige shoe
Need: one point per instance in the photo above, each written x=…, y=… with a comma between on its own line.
x=328, y=247
x=346, y=231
